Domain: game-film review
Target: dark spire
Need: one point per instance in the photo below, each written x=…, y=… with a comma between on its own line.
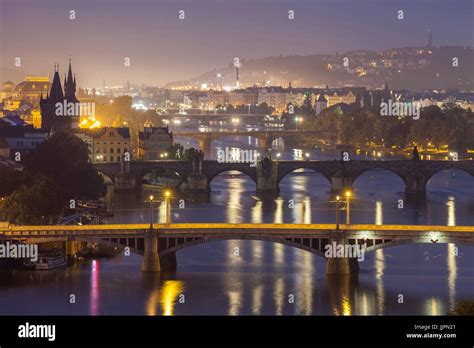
x=70, y=86
x=56, y=93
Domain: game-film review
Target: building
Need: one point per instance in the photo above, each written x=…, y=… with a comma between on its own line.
x=154, y=142
x=109, y=144
x=321, y=104
x=57, y=98
x=28, y=90
x=279, y=98
x=334, y=99
x=22, y=139
x=7, y=90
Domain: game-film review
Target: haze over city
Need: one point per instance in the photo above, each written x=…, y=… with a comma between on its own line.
x=163, y=48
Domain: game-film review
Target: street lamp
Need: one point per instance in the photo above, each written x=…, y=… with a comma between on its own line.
x=348, y=195
x=298, y=120
x=337, y=212
x=167, y=206
x=151, y=212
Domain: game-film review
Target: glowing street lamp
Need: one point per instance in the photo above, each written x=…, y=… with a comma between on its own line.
x=151, y=211
x=337, y=212
x=167, y=195
x=298, y=120
x=348, y=195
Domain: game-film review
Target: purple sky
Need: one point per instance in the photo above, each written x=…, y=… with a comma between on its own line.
x=163, y=48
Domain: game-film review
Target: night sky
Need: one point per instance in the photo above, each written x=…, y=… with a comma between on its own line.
x=163, y=48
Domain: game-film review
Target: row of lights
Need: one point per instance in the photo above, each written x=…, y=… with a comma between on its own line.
x=347, y=195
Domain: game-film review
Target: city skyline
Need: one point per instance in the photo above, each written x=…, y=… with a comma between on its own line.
x=210, y=35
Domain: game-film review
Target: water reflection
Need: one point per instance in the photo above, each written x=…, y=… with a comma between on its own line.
x=279, y=295
x=305, y=306
x=254, y=277
x=257, y=299
x=452, y=274
x=257, y=213
x=95, y=289
x=165, y=295
x=452, y=252
x=170, y=291
x=278, y=219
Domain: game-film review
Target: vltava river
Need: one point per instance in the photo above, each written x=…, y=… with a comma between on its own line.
x=264, y=277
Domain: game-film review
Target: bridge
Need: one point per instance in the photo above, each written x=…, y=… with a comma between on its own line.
x=265, y=137
x=267, y=175
x=160, y=244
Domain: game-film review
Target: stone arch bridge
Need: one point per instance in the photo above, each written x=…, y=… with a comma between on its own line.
x=265, y=137
x=197, y=175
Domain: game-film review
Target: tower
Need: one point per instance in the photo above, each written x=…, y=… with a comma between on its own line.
x=60, y=110
x=237, y=82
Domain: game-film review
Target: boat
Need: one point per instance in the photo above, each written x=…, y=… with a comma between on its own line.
x=50, y=262
x=92, y=205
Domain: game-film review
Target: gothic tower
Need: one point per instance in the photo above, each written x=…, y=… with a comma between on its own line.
x=58, y=109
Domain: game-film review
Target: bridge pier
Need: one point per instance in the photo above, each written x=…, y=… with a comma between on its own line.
x=415, y=185
x=151, y=259
x=267, y=176
x=124, y=181
x=340, y=183
x=197, y=182
x=341, y=265
x=168, y=262
x=72, y=247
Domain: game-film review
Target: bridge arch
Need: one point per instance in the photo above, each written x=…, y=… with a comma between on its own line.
x=373, y=173
x=395, y=243
x=298, y=165
x=248, y=172
x=175, y=178
x=287, y=174
x=242, y=237
x=451, y=174
x=378, y=168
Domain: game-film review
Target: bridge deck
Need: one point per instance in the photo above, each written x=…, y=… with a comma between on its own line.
x=225, y=228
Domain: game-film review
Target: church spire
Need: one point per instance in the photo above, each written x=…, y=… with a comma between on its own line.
x=70, y=85
x=56, y=92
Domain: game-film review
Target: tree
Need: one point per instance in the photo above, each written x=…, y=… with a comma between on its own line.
x=10, y=180
x=38, y=204
x=63, y=159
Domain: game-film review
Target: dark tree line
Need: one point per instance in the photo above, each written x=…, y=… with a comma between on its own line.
x=56, y=172
x=438, y=127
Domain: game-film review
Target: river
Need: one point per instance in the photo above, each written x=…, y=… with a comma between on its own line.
x=256, y=277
